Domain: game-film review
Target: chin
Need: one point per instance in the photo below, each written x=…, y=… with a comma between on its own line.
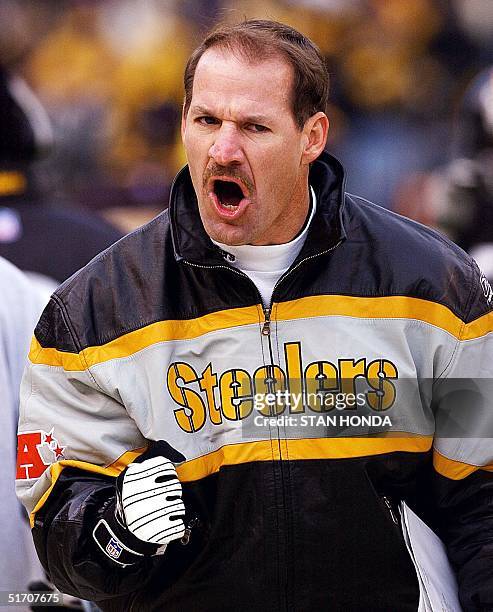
x=232, y=236
x=230, y=240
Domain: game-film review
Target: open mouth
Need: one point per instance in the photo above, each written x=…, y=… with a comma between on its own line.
x=228, y=193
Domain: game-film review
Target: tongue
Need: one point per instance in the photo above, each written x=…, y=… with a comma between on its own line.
x=229, y=194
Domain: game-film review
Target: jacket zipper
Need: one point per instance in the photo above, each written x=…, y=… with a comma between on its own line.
x=266, y=328
x=266, y=324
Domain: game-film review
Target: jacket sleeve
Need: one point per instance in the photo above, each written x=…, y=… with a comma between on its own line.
x=463, y=452
x=74, y=438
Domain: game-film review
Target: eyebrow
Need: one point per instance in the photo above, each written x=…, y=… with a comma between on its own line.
x=203, y=110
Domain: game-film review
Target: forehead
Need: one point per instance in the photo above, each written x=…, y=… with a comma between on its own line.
x=223, y=79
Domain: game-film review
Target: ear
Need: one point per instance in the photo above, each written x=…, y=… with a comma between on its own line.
x=315, y=130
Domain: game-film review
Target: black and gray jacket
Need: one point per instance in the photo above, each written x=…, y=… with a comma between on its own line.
x=158, y=338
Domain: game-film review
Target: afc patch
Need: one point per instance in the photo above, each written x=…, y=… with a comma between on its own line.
x=36, y=450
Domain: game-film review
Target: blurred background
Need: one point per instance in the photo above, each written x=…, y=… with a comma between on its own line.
x=109, y=75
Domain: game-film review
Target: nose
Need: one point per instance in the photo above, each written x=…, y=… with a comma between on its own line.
x=226, y=149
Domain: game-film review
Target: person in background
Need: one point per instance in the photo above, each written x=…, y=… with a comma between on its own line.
x=20, y=570
x=457, y=198
x=467, y=182
x=20, y=307
x=47, y=242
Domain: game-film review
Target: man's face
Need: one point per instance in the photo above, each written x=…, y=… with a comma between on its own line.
x=245, y=151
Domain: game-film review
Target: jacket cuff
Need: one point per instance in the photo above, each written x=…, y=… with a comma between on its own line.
x=118, y=543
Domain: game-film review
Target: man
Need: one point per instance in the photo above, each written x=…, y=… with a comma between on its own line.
x=169, y=350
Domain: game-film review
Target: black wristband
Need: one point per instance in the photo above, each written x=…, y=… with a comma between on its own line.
x=118, y=543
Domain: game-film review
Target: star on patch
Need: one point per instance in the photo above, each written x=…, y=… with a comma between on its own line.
x=59, y=450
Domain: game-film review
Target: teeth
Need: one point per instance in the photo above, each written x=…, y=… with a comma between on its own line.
x=229, y=206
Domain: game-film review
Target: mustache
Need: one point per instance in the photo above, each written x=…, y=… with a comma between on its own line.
x=226, y=171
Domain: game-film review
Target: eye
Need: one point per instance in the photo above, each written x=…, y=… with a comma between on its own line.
x=255, y=127
x=206, y=120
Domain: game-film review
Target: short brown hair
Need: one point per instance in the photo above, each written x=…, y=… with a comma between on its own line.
x=259, y=39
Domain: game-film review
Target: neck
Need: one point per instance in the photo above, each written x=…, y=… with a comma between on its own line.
x=290, y=225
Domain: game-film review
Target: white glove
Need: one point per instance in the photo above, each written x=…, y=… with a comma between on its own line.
x=148, y=511
x=151, y=501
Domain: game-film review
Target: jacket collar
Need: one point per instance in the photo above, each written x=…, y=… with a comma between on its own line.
x=191, y=242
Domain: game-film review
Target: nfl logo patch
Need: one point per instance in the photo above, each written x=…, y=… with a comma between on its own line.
x=114, y=549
